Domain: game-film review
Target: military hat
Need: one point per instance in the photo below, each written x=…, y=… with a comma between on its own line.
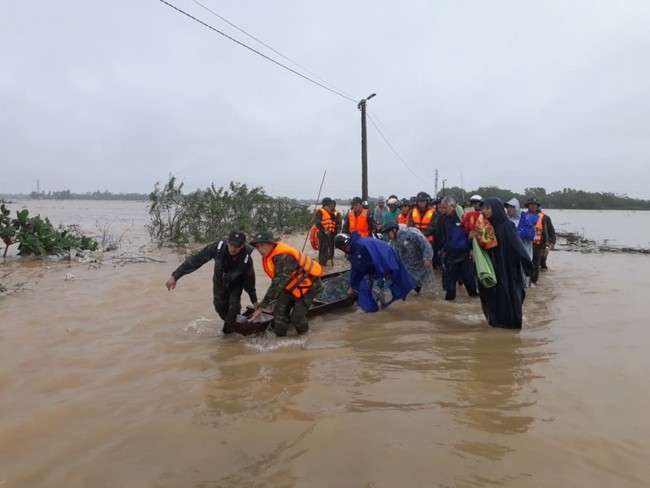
x=532, y=200
x=264, y=236
x=423, y=195
x=405, y=201
x=236, y=238
x=326, y=201
x=355, y=200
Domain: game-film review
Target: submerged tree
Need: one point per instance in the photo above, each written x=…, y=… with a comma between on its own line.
x=207, y=215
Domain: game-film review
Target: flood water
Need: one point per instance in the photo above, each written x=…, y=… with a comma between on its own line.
x=109, y=380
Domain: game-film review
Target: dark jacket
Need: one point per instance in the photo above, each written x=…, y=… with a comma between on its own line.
x=455, y=241
x=229, y=271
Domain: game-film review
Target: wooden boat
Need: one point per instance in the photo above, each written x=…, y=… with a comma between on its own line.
x=323, y=303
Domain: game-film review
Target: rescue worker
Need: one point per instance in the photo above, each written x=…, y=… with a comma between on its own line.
x=326, y=225
x=338, y=224
x=544, y=237
x=358, y=219
x=422, y=216
x=405, y=212
x=233, y=273
x=295, y=282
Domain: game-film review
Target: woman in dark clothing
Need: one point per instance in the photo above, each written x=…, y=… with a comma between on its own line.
x=502, y=304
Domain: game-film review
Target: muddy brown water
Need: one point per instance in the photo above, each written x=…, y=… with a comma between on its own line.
x=109, y=380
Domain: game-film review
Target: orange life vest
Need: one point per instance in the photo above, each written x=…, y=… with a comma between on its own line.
x=422, y=221
x=539, y=230
x=303, y=275
x=403, y=219
x=313, y=237
x=326, y=220
x=359, y=222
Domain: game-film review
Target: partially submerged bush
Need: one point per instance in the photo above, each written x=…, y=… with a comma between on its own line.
x=206, y=215
x=37, y=236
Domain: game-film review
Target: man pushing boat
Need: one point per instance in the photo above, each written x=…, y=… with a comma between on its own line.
x=295, y=282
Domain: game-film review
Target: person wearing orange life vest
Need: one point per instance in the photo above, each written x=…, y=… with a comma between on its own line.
x=295, y=282
x=544, y=238
x=326, y=224
x=359, y=219
x=422, y=216
x=405, y=215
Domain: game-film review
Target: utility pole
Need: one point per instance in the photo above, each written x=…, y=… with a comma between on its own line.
x=435, y=189
x=443, y=187
x=364, y=148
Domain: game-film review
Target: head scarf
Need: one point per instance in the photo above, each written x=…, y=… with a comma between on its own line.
x=513, y=202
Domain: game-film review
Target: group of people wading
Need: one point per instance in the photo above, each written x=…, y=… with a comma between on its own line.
x=492, y=248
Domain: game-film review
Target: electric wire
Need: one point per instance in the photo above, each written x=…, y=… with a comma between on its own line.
x=295, y=63
x=256, y=51
x=395, y=151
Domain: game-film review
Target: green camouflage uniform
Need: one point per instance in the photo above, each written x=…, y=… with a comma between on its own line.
x=287, y=309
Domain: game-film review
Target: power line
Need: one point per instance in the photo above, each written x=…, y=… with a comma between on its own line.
x=257, y=52
x=396, y=153
x=271, y=48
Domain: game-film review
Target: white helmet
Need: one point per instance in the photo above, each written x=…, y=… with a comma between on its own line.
x=476, y=198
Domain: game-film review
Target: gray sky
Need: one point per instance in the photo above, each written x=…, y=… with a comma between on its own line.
x=116, y=95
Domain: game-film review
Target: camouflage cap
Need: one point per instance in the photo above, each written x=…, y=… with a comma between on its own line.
x=264, y=236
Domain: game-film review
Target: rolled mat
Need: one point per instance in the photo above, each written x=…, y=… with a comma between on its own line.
x=484, y=268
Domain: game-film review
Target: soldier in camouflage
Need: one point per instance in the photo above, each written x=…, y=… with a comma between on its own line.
x=289, y=294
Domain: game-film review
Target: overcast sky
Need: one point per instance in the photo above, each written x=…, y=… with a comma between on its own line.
x=117, y=95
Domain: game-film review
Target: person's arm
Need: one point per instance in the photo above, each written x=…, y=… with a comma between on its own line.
x=346, y=225
x=372, y=224
x=551, y=231
x=318, y=221
x=284, y=266
x=192, y=263
x=425, y=245
x=249, y=281
x=430, y=229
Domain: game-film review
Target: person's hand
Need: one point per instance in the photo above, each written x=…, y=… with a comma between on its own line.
x=351, y=292
x=256, y=305
x=171, y=283
x=427, y=263
x=472, y=234
x=471, y=255
x=255, y=315
x=552, y=246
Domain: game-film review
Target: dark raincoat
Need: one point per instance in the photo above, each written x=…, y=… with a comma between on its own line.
x=373, y=259
x=502, y=304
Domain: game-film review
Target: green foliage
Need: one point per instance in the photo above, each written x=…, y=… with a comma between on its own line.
x=207, y=215
x=37, y=236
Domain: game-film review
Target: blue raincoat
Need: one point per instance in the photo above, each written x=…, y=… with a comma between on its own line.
x=371, y=260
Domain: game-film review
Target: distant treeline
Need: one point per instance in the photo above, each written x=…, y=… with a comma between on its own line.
x=68, y=195
x=568, y=198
